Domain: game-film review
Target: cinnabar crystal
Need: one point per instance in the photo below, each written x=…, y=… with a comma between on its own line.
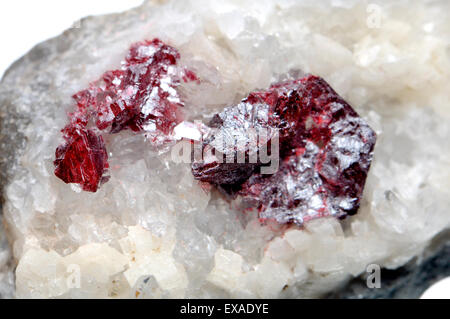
x=140, y=96
x=325, y=151
x=82, y=159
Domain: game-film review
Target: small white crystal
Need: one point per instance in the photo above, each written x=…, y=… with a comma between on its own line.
x=187, y=130
x=227, y=271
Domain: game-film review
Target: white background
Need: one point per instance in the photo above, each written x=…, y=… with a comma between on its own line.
x=24, y=23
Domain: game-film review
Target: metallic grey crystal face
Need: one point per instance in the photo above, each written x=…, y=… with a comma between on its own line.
x=324, y=152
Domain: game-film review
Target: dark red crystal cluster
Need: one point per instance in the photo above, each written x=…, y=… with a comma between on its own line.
x=324, y=152
x=140, y=96
x=321, y=147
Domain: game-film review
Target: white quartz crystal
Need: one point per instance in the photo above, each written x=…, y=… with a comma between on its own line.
x=153, y=231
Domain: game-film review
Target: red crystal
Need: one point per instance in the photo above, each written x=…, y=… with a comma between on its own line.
x=82, y=159
x=140, y=96
x=325, y=151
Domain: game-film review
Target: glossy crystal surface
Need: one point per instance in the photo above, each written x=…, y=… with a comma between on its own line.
x=325, y=150
x=140, y=96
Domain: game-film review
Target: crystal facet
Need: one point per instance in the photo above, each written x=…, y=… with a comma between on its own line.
x=325, y=151
x=140, y=96
x=82, y=159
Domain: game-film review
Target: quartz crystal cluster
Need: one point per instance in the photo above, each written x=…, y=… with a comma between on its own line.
x=324, y=150
x=158, y=228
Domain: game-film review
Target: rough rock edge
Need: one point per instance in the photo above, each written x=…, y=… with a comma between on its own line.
x=408, y=281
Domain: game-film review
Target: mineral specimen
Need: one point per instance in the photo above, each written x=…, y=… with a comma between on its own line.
x=325, y=151
x=140, y=96
x=154, y=220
